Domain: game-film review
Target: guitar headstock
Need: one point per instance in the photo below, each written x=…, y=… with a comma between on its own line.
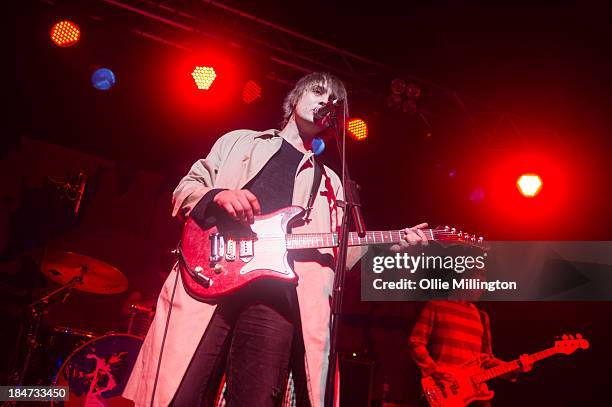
x=449, y=236
x=569, y=343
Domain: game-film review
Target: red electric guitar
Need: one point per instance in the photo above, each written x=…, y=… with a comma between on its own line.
x=224, y=258
x=471, y=378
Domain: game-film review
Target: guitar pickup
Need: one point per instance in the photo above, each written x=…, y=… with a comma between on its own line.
x=246, y=249
x=230, y=250
x=217, y=247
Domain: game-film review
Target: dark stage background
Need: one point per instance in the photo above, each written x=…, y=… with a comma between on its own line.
x=501, y=82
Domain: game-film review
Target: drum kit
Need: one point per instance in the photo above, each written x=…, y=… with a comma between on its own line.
x=94, y=367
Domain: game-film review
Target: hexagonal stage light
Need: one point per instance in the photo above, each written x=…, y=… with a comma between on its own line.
x=529, y=185
x=204, y=76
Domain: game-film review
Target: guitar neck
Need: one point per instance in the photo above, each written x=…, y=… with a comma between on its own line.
x=321, y=240
x=510, y=367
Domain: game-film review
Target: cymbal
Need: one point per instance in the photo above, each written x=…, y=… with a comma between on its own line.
x=97, y=276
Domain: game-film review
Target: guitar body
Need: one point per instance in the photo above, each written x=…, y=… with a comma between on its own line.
x=226, y=257
x=244, y=254
x=467, y=390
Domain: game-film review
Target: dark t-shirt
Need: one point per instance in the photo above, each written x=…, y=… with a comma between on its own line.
x=273, y=185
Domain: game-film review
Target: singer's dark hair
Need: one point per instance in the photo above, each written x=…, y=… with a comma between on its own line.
x=311, y=81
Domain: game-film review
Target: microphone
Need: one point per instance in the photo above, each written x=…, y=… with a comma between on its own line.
x=322, y=111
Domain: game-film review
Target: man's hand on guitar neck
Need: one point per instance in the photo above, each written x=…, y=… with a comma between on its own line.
x=412, y=237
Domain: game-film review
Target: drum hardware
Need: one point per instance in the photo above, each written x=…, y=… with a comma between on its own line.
x=141, y=318
x=37, y=310
x=72, y=271
x=95, y=369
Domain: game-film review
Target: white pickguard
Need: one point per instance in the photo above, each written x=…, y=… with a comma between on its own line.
x=269, y=248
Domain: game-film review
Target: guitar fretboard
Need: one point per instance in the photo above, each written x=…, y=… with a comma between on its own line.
x=505, y=368
x=321, y=240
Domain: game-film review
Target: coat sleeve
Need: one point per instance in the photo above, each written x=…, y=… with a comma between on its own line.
x=199, y=180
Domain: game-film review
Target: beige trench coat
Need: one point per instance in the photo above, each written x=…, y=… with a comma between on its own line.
x=233, y=161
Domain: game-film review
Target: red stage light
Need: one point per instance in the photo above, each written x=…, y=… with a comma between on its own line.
x=251, y=92
x=65, y=33
x=204, y=76
x=357, y=128
x=529, y=185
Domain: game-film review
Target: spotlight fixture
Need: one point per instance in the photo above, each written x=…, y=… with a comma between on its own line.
x=409, y=106
x=529, y=185
x=251, y=92
x=103, y=79
x=357, y=128
x=404, y=96
x=413, y=91
x=65, y=33
x=394, y=101
x=398, y=86
x=203, y=76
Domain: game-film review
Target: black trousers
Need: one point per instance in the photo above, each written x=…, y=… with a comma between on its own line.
x=250, y=338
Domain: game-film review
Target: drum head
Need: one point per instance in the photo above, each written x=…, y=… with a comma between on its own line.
x=97, y=372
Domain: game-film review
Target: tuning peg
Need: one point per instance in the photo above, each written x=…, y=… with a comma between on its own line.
x=453, y=230
x=571, y=337
x=579, y=336
x=446, y=228
x=564, y=337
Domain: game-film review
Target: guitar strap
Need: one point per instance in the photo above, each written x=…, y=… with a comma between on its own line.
x=316, y=181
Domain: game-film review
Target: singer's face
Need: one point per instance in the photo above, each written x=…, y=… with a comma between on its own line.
x=313, y=97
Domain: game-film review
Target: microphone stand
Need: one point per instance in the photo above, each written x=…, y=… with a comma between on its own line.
x=350, y=204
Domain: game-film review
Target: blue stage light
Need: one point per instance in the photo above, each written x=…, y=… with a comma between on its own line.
x=103, y=79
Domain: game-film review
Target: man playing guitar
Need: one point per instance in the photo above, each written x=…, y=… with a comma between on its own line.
x=252, y=334
x=450, y=336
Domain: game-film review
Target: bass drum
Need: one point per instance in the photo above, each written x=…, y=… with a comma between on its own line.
x=97, y=372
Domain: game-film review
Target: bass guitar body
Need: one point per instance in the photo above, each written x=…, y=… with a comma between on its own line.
x=458, y=394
